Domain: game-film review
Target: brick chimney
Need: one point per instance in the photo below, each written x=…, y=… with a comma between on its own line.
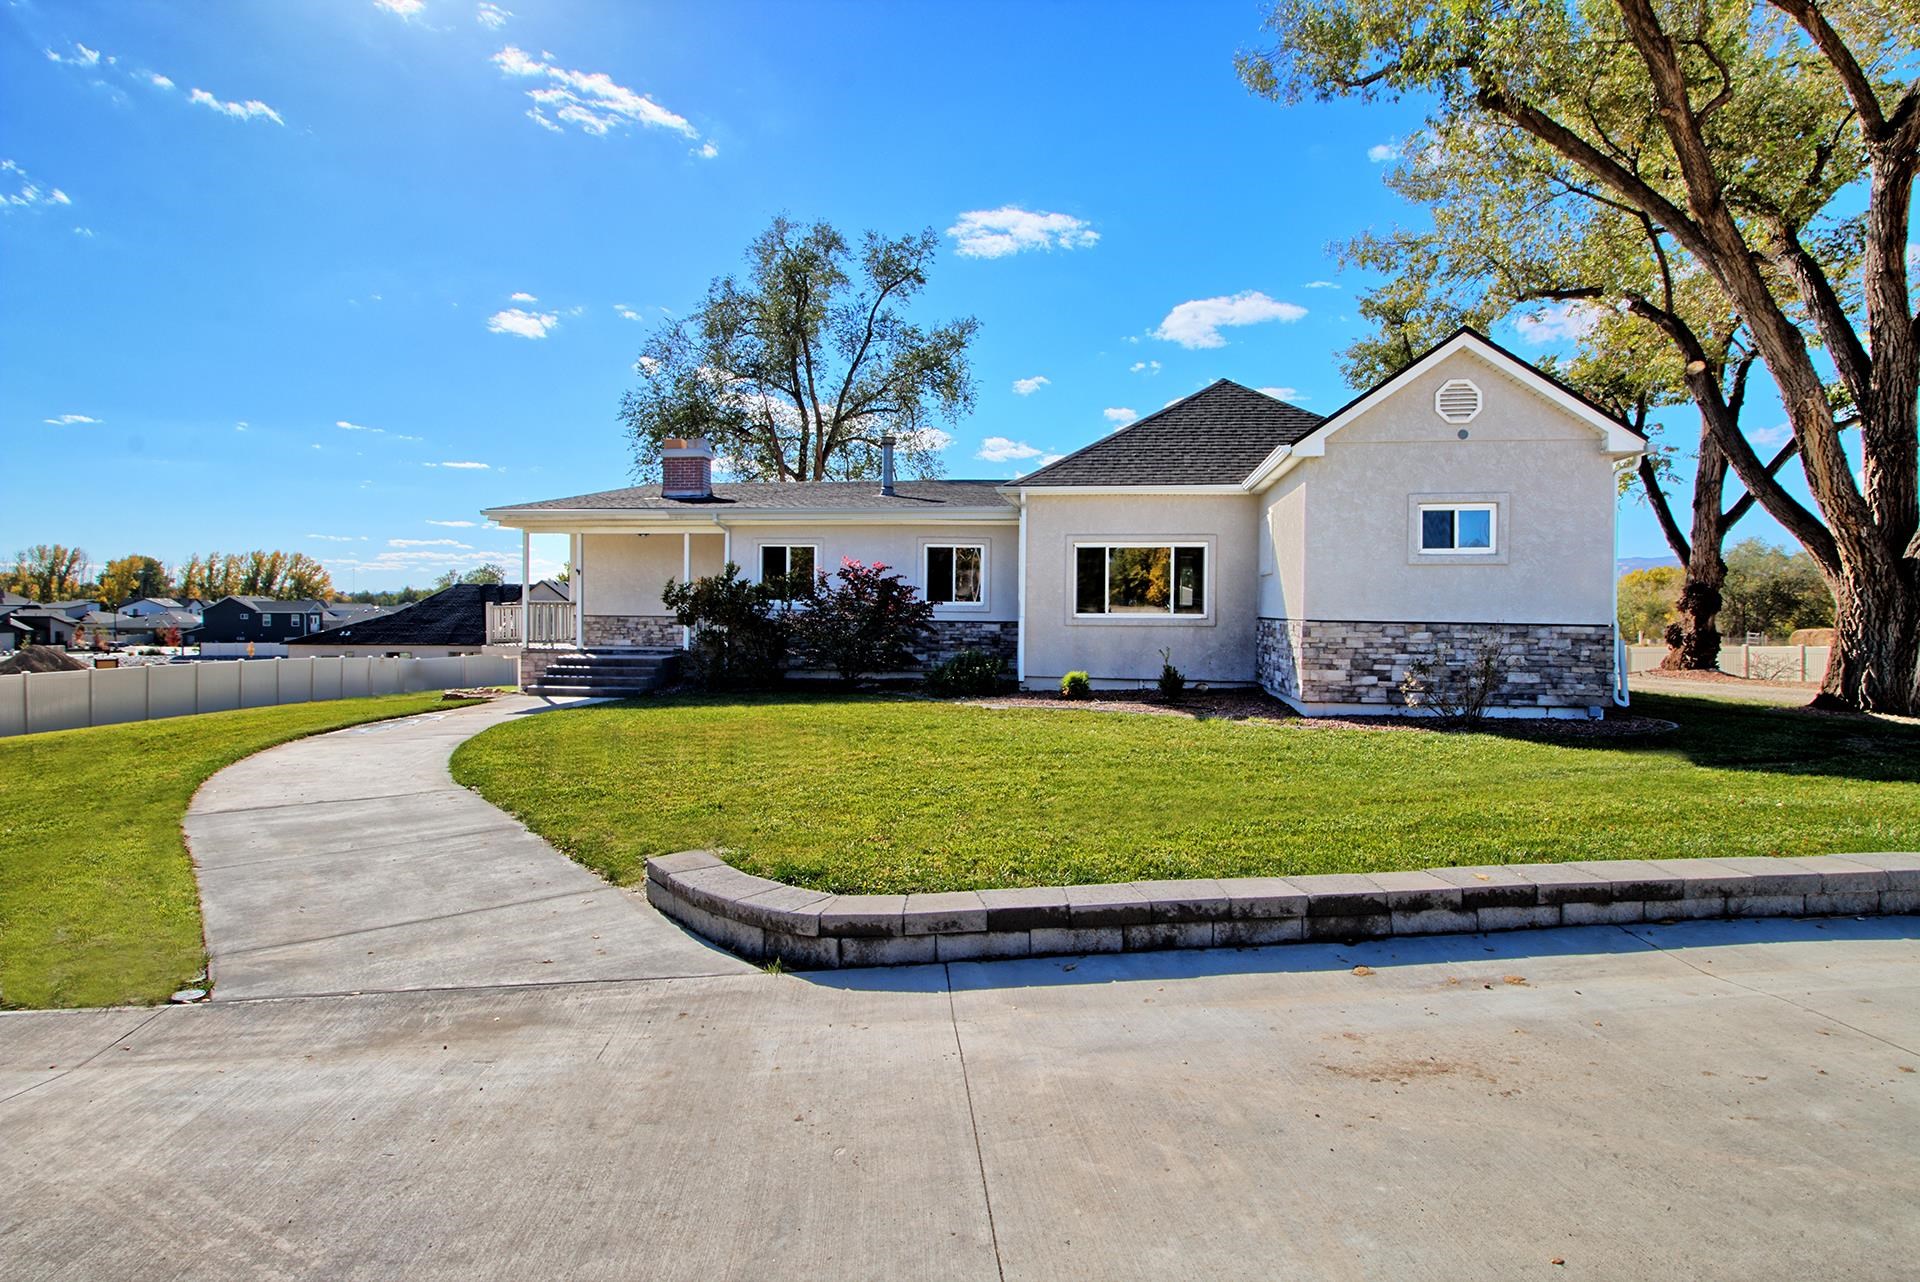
x=686, y=468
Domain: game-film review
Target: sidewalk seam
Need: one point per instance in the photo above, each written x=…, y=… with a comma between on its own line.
x=973, y=1121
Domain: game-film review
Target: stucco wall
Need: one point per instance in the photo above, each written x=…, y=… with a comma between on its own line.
x=625, y=572
x=1219, y=647
x=1544, y=469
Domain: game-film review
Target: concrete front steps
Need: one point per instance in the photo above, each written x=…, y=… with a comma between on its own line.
x=607, y=673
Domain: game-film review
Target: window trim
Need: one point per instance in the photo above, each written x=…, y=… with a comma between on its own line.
x=1172, y=544
x=1493, y=528
x=926, y=576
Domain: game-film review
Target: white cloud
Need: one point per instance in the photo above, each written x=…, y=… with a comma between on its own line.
x=87, y=232
x=241, y=426
x=1558, y=322
x=522, y=324
x=492, y=16
x=591, y=101
x=1119, y=416
x=1282, y=393
x=1381, y=152
x=1913, y=254
x=478, y=467
x=1144, y=367
x=627, y=312
x=522, y=297
x=72, y=420
x=1321, y=284
x=337, y=538
x=931, y=439
x=251, y=109
x=29, y=193
x=1000, y=449
x=995, y=233
x=345, y=426
x=1028, y=386
x=1772, y=437
x=455, y=525
x=401, y=8
x=429, y=543
x=706, y=151
x=80, y=57
x=1198, y=322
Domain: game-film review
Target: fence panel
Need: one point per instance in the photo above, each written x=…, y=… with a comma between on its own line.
x=326, y=678
x=13, y=705
x=170, y=690
x=219, y=686
x=58, y=700
x=119, y=694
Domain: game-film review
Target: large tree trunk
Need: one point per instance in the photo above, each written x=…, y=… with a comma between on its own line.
x=1693, y=644
x=1875, y=664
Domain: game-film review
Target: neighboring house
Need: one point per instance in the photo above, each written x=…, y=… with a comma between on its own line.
x=1464, y=505
x=13, y=635
x=152, y=605
x=44, y=624
x=238, y=626
x=451, y=621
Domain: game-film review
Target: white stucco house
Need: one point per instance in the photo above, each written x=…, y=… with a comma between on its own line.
x=1468, y=497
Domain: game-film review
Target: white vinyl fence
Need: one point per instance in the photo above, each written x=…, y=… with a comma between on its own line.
x=38, y=701
x=1760, y=662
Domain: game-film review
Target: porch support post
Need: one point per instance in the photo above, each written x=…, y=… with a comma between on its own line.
x=578, y=589
x=1020, y=606
x=686, y=576
x=526, y=588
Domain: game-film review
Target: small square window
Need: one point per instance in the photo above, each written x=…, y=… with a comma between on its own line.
x=788, y=564
x=954, y=573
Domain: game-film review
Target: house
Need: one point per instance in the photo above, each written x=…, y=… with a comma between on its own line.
x=1463, y=506
x=153, y=605
x=48, y=624
x=451, y=621
x=107, y=628
x=256, y=626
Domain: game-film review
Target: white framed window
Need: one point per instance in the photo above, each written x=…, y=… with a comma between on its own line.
x=955, y=573
x=296, y=620
x=792, y=562
x=1139, y=579
x=1459, y=529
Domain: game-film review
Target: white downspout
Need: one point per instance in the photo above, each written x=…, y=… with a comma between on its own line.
x=1622, y=696
x=1020, y=606
x=686, y=576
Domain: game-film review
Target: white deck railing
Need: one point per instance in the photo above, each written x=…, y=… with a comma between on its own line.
x=549, y=623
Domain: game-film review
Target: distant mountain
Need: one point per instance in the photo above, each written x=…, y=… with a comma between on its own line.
x=1626, y=564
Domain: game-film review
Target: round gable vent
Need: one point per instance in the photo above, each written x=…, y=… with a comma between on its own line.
x=1458, y=400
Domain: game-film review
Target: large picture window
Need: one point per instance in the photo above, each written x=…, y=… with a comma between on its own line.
x=1450, y=529
x=956, y=573
x=787, y=564
x=1140, y=578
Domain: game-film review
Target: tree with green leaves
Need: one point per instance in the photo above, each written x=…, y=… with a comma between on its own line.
x=1645, y=600
x=1769, y=141
x=491, y=572
x=798, y=369
x=285, y=576
x=1773, y=592
x=1515, y=227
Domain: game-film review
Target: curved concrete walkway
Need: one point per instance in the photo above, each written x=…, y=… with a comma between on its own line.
x=352, y=862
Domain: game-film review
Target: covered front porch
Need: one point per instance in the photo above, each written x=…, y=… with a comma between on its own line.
x=615, y=581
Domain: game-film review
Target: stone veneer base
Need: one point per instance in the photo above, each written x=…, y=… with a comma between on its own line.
x=765, y=920
x=1357, y=665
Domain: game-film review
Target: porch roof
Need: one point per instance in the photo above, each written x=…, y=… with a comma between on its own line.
x=785, y=500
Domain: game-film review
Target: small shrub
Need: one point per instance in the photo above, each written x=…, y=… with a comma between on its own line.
x=739, y=629
x=1076, y=685
x=1173, y=682
x=864, y=623
x=969, y=673
x=1458, y=687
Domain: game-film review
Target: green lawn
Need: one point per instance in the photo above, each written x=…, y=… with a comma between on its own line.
x=895, y=795
x=98, y=904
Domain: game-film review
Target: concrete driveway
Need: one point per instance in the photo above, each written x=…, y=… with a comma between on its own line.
x=559, y=1083
x=1714, y=1100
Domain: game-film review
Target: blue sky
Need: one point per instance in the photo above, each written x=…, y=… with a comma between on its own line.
x=328, y=275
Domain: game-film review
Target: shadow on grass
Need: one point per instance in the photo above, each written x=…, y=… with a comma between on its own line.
x=1509, y=949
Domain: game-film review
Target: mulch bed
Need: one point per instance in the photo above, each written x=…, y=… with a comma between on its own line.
x=1257, y=705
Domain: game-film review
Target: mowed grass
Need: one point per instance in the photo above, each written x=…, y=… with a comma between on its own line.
x=98, y=904
x=891, y=795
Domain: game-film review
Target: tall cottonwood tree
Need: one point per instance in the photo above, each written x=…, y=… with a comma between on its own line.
x=50, y=572
x=1768, y=140
x=796, y=370
x=1513, y=226
x=128, y=578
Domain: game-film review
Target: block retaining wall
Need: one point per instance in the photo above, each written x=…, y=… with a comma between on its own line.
x=764, y=920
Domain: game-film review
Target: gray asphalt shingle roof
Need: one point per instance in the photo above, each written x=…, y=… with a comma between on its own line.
x=850, y=496
x=1217, y=436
